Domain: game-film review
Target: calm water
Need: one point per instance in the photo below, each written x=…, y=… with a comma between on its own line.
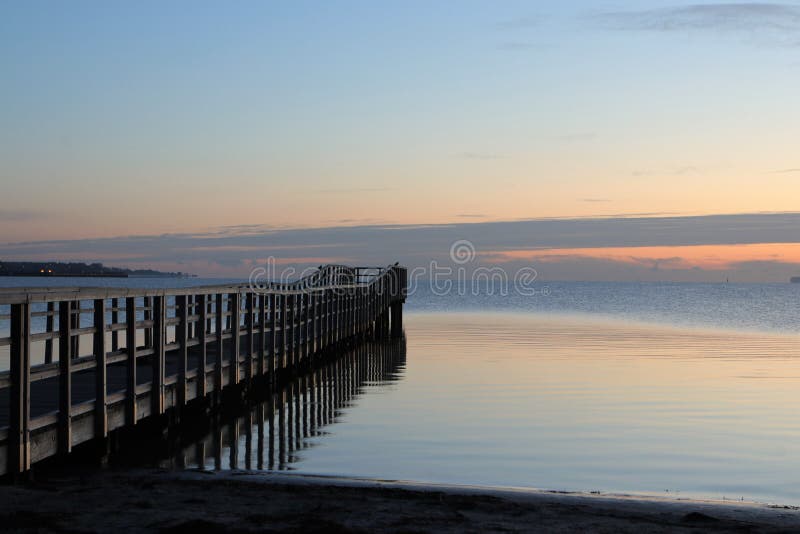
x=679, y=389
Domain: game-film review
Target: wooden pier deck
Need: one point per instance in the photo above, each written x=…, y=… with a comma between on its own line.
x=84, y=362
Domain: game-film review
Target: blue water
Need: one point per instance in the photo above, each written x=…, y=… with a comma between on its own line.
x=750, y=307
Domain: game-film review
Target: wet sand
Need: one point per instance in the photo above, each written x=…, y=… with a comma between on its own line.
x=197, y=502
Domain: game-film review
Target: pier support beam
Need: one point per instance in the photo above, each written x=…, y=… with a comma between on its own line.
x=396, y=319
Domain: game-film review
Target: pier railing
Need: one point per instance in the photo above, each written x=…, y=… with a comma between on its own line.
x=82, y=362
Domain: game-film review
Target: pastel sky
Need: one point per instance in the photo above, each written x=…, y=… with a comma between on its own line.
x=197, y=119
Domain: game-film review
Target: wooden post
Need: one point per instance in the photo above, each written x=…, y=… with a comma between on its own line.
x=100, y=383
x=75, y=321
x=48, y=345
x=297, y=327
x=182, y=337
x=273, y=337
x=262, y=339
x=19, y=450
x=397, y=319
x=292, y=320
x=114, y=321
x=236, y=319
x=220, y=343
x=130, y=348
x=65, y=377
x=158, y=313
x=147, y=315
x=307, y=329
x=283, y=332
x=251, y=329
x=314, y=322
x=202, y=321
x=328, y=321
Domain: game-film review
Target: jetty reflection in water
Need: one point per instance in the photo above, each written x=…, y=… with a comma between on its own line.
x=271, y=433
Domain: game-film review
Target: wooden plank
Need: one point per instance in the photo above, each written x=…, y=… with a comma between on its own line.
x=100, y=388
x=130, y=348
x=65, y=377
x=19, y=450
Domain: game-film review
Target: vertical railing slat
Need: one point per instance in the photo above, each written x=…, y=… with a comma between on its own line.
x=158, y=361
x=100, y=372
x=220, y=343
x=262, y=340
x=130, y=347
x=65, y=377
x=19, y=451
x=236, y=319
x=251, y=330
x=182, y=338
x=202, y=332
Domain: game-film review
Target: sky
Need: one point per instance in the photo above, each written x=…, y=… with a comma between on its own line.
x=165, y=122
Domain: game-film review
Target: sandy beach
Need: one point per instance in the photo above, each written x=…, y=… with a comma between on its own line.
x=201, y=501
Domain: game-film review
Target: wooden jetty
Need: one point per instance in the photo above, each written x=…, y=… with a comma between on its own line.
x=84, y=362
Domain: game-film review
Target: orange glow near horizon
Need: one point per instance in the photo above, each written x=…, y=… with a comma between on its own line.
x=679, y=257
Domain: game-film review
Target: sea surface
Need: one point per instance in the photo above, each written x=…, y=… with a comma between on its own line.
x=687, y=390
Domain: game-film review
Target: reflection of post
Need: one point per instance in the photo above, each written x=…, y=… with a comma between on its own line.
x=298, y=438
x=200, y=454
x=305, y=392
x=233, y=443
x=313, y=398
x=282, y=430
x=290, y=420
x=271, y=444
x=260, y=419
x=248, y=439
x=217, y=438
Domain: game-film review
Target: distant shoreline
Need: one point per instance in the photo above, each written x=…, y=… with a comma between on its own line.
x=92, y=275
x=88, y=275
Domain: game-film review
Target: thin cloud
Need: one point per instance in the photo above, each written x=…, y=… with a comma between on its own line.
x=779, y=22
x=596, y=200
x=21, y=215
x=786, y=171
x=472, y=215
